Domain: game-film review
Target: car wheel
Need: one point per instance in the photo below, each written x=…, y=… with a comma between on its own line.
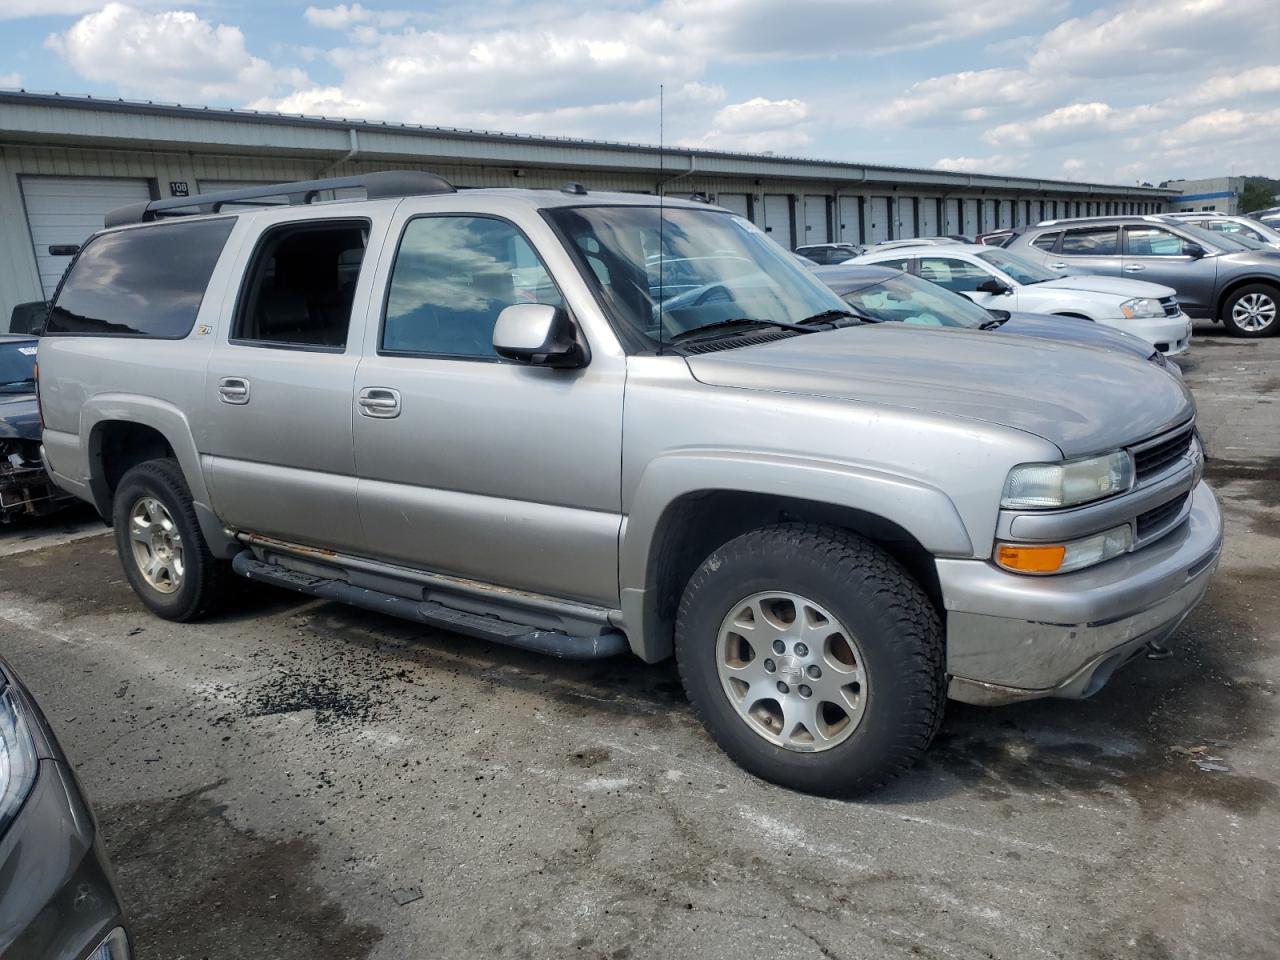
x=164, y=555
x=813, y=658
x=1251, y=311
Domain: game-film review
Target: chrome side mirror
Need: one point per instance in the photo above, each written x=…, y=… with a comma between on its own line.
x=539, y=334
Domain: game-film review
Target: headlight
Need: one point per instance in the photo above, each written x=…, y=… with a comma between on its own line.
x=1064, y=557
x=1141, y=307
x=1045, y=485
x=18, y=762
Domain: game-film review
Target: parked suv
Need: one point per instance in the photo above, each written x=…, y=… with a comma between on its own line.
x=483, y=411
x=1215, y=277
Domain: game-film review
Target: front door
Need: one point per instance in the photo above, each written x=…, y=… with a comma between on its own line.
x=278, y=450
x=1160, y=256
x=469, y=465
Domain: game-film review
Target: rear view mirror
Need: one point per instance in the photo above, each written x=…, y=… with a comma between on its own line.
x=1193, y=250
x=992, y=285
x=540, y=334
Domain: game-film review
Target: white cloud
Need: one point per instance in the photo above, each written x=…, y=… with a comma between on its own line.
x=1156, y=36
x=343, y=17
x=751, y=29
x=964, y=97
x=995, y=163
x=10, y=80
x=758, y=125
x=1230, y=86
x=174, y=55
x=21, y=9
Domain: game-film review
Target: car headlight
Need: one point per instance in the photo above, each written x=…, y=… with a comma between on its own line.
x=1044, y=558
x=18, y=761
x=1141, y=307
x=1039, y=486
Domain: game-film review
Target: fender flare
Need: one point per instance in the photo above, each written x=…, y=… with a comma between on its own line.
x=172, y=424
x=923, y=511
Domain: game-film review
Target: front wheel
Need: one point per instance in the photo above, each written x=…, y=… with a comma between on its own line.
x=813, y=658
x=162, y=550
x=1251, y=311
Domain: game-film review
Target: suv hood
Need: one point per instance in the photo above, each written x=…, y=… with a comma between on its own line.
x=1118, y=286
x=1084, y=399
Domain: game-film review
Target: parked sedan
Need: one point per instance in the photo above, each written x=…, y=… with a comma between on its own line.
x=57, y=895
x=25, y=488
x=1215, y=277
x=992, y=277
x=884, y=294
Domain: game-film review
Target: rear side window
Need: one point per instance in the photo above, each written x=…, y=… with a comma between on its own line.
x=302, y=286
x=1091, y=242
x=147, y=282
x=1046, y=241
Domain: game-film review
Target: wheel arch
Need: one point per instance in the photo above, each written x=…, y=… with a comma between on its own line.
x=673, y=527
x=122, y=431
x=1229, y=290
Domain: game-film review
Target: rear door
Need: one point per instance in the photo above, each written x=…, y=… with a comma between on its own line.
x=1088, y=250
x=279, y=387
x=1160, y=255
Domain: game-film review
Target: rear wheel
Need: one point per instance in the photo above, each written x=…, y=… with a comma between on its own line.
x=164, y=555
x=1251, y=311
x=813, y=658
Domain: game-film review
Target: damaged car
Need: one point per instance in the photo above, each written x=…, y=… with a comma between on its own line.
x=25, y=487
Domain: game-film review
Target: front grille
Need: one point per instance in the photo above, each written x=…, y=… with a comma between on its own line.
x=1171, y=308
x=1151, y=460
x=1157, y=517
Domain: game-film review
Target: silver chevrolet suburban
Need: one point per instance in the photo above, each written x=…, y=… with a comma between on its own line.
x=586, y=423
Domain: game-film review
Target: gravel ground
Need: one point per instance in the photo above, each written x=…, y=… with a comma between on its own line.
x=299, y=780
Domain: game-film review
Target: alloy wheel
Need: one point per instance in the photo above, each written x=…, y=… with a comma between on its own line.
x=792, y=671
x=157, y=545
x=1254, y=312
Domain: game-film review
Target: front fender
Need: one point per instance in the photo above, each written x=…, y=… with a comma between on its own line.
x=923, y=511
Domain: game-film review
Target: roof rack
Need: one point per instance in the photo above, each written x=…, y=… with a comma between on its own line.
x=377, y=186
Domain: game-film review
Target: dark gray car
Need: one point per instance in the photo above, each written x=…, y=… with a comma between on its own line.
x=57, y=896
x=1216, y=277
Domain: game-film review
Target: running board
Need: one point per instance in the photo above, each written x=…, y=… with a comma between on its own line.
x=608, y=643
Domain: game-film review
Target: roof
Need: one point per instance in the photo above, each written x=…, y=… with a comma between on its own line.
x=843, y=277
x=62, y=118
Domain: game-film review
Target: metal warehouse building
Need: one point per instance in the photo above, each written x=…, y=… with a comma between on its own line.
x=65, y=161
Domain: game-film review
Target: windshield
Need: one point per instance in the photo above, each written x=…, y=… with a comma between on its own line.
x=1022, y=271
x=694, y=269
x=909, y=299
x=18, y=367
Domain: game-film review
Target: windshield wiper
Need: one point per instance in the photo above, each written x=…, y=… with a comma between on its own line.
x=830, y=315
x=738, y=322
x=993, y=323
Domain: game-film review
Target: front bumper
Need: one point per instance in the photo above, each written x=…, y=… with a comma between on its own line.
x=1012, y=637
x=1170, y=335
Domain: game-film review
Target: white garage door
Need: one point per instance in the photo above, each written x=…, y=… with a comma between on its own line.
x=905, y=227
x=928, y=217
x=952, y=225
x=815, y=220
x=737, y=202
x=777, y=218
x=970, y=226
x=878, y=219
x=848, y=229
x=66, y=210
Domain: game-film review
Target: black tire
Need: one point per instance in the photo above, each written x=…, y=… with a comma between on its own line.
x=876, y=599
x=1269, y=296
x=203, y=583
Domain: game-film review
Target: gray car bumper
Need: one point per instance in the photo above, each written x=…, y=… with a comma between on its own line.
x=1013, y=637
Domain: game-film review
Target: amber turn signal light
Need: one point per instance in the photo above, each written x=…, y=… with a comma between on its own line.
x=1026, y=559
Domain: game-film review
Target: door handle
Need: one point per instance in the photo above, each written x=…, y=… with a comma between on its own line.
x=381, y=403
x=1057, y=266
x=233, y=390
x=1133, y=268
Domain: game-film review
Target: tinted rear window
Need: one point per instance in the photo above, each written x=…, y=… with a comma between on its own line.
x=140, y=283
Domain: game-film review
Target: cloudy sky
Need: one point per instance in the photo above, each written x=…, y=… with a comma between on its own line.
x=1120, y=92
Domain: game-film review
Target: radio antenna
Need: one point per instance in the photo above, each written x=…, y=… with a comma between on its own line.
x=662, y=189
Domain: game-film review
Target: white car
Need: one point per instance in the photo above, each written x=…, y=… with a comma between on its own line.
x=998, y=280
x=1234, y=227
